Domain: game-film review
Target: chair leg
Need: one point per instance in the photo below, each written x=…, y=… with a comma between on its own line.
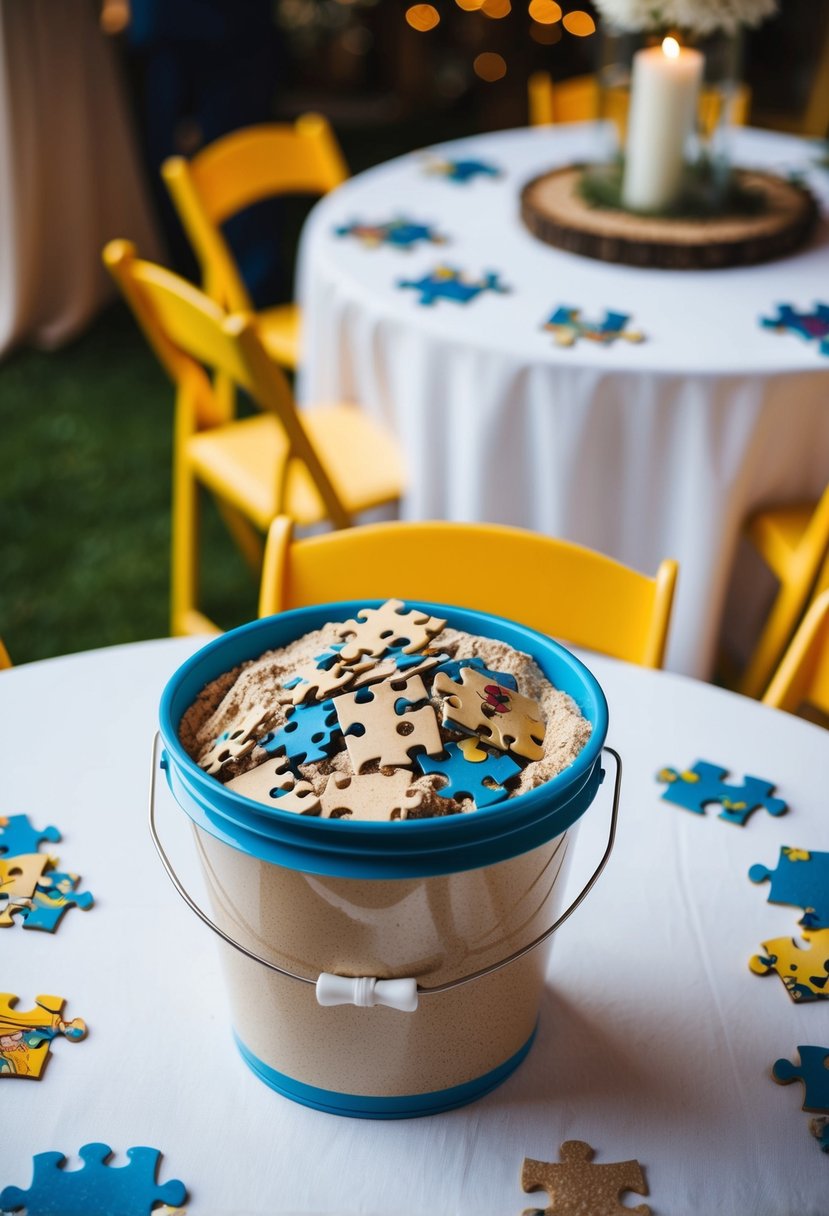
x=776, y=636
x=185, y=541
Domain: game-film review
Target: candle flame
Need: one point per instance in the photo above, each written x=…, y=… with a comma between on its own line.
x=670, y=48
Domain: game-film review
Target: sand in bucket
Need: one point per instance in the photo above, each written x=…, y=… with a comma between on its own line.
x=440, y=904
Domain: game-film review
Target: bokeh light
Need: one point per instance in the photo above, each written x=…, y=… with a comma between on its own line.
x=470, y=6
x=496, y=8
x=545, y=12
x=422, y=17
x=579, y=23
x=490, y=66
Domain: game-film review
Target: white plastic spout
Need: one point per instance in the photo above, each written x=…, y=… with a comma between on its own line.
x=365, y=991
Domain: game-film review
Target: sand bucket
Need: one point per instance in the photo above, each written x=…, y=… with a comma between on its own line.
x=383, y=970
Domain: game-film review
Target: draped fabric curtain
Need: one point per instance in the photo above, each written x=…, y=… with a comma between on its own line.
x=70, y=177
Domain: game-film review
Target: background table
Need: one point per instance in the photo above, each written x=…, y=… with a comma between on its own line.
x=643, y=452
x=655, y=1039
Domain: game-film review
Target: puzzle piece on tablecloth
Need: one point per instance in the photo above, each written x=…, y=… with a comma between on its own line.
x=19, y=876
x=567, y=327
x=813, y=326
x=380, y=723
x=236, y=743
x=819, y=1128
x=467, y=770
x=374, y=796
x=18, y=836
x=801, y=880
x=53, y=896
x=576, y=1186
x=308, y=735
x=8, y=908
x=26, y=1035
x=400, y=233
x=392, y=625
x=263, y=783
x=502, y=717
x=460, y=171
x=804, y=972
x=453, y=667
x=449, y=283
x=694, y=788
x=813, y=1071
x=96, y=1189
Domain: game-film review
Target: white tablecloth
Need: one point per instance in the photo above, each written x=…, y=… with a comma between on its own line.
x=643, y=452
x=655, y=1040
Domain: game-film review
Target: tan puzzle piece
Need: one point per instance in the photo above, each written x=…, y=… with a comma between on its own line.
x=387, y=669
x=468, y=705
x=20, y=875
x=577, y=1187
x=257, y=783
x=300, y=798
x=376, y=629
x=8, y=907
x=240, y=741
x=321, y=683
x=370, y=796
x=388, y=736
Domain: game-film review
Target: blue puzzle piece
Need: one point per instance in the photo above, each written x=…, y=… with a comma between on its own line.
x=694, y=788
x=813, y=1072
x=17, y=836
x=97, y=1189
x=465, y=777
x=449, y=283
x=567, y=327
x=307, y=736
x=401, y=233
x=813, y=326
x=54, y=894
x=328, y=657
x=404, y=661
x=462, y=171
x=801, y=880
x=452, y=667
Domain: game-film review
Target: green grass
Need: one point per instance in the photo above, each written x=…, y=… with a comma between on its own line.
x=85, y=499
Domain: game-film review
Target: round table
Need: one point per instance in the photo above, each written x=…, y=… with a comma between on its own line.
x=655, y=1040
x=643, y=451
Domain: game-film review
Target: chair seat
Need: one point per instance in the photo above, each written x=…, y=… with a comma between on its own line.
x=244, y=462
x=777, y=533
x=279, y=330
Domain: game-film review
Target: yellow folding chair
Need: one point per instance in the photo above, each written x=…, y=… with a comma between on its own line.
x=559, y=588
x=580, y=99
x=793, y=541
x=325, y=464
x=234, y=172
x=5, y=661
x=803, y=674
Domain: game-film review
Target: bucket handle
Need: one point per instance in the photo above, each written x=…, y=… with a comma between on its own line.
x=362, y=983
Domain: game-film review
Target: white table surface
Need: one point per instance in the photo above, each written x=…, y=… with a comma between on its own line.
x=655, y=1040
x=641, y=451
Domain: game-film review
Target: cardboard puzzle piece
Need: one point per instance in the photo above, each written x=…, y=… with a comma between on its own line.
x=400, y=233
x=309, y=735
x=26, y=1035
x=502, y=717
x=449, y=283
x=471, y=772
x=804, y=972
x=576, y=1186
x=8, y=907
x=52, y=898
x=96, y=1189
x=696, y=787
x=567, y=327
x=264, y=782
x=381, y=724
x=460, y=171
x=819, y=1128
x=801, y=880
x=813, y=326
x=313, y=683
x=300, y=799
x=19, y=876
x=236, y=743
x=813, y=1071
x=453, y=668
x=18, y=836
x=393, y=666
x=377, y=630
x=370, y=796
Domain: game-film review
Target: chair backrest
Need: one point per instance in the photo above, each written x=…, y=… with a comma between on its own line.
x=187, y=330
x=803, y=674
x=562, y=589
x=580, y=99
x=240, y=169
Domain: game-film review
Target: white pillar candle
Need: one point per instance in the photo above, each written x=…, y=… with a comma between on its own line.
x=664, y=87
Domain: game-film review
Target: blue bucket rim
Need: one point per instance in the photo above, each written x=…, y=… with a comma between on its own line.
x=314, y=843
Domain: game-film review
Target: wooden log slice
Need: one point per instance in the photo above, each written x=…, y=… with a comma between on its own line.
x=555, y=212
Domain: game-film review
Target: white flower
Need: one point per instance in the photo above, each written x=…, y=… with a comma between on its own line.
x=699, y=16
